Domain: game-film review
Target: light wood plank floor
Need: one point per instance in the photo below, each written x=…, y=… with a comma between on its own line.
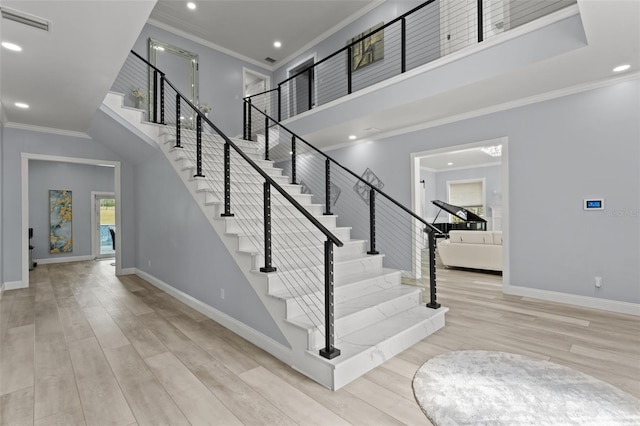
x=81, y=346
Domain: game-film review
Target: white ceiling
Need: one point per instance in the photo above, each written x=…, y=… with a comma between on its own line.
x=65, y=73
x=249, y=27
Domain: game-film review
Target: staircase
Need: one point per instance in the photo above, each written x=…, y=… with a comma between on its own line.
x=376, y=316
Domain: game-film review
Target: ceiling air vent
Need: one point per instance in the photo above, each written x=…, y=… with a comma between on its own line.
x=23, y=18
x=270, y=60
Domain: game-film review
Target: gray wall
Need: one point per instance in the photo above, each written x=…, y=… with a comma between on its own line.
x=81, y=180
x=178, y=245
x=560, y=152
x=17, y=141
x=220, y=77
x=422, y=47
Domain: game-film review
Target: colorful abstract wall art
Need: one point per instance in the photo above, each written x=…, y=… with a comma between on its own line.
x=60, y=218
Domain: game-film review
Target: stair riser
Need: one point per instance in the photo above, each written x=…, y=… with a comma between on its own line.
x=218, y=170
x=169, y=133
x=315, y=276
x=244, y=209
x=238, y=225
x=372, y=315
x=190, y=142
x=245, y=187
x=244, y=198
x=289, y=241
x=347, y=251
x=216, y=153
x=238, y=165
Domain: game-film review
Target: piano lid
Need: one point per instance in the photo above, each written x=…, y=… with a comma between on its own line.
x=459, y=212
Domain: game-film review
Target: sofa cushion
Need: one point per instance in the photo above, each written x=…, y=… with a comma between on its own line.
x=471, y=237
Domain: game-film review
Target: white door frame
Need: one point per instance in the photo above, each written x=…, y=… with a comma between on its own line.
x=24, y=190
x=95, y=214
x=292, y=90
x=415, y=199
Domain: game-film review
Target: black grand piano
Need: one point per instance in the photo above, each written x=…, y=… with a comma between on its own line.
x=471, y=221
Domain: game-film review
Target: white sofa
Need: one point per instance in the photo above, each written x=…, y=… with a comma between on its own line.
x=472, y=249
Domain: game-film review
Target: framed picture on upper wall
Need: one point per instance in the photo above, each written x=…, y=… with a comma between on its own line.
x=369, y=49
x=60, y=221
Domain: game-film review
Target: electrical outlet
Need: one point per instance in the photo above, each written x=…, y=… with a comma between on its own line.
x=598, y=281
x=222, y=293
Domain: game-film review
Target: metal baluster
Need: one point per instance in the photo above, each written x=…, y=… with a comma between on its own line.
x=279, y=103
x=327, y=190
x=155, y=96
x=349, y=64
x=310, y=88
x=178, y=121
x=267, y=229
x=480, y=22
x=244, y=120
x=372, y=221
x=433, y=304
x=293, y=160
x=227, y=181
x=198, y=147
x=403, y=45
x=249, y=112
x=266, y=137
x=162, y=99
x=329, y=351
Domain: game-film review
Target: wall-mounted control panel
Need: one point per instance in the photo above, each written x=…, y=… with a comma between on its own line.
x=593, y=204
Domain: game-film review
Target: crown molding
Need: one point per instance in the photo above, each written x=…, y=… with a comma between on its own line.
x=206, y=43
x=50, y=130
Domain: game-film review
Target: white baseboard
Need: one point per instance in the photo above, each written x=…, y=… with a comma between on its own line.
x=63, y=259
x=128, y=271
x=264, y=342
x=13, y=285
x=574, y=299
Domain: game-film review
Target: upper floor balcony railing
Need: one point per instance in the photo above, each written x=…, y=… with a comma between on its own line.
x=423, y=34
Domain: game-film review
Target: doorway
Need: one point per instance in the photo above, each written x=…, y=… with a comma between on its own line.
x=302, y=87
x=459, y=22
x=103, y=236
x=475, y=166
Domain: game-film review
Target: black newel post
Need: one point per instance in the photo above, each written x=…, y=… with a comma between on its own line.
x=155, y=96
x=372, y=221
x=329, y=351
x=327, y=189
x=432, y=270
x=266, y=137
x=198, y=147
x=178, y=121
x=162, y=98
x=267, y=229
x=293, y=160
x=227, y=181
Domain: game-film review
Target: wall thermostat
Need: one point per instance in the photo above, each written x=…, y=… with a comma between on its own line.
x=593, y=204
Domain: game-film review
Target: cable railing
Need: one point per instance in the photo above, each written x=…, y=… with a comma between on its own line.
x=273, y=224
x=425, y=33
x=390, y=228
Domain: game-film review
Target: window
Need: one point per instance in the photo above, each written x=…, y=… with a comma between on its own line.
x=467, y=194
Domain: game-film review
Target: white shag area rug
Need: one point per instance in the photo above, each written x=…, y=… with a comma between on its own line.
x=497, y=388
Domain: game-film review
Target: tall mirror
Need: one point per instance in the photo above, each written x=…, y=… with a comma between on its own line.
x=179, y=66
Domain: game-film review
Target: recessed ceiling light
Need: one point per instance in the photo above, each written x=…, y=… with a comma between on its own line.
x=21, y=105
x=353, y=137
x=622, y=68
x=11, y=46
x=191, y=5
x=277, y=44
x=449, y=164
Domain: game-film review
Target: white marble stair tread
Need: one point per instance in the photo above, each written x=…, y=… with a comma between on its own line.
x=293, y=261
x=336, y=264
x=289, y=233
x=387, y=303
x=399, y=332
x=317, y=246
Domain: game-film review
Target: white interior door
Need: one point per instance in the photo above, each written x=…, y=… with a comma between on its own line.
x=458, y=24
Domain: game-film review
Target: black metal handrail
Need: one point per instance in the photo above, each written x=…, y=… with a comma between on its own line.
x=428, y=228
x=262, y=173
x=329, y=351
